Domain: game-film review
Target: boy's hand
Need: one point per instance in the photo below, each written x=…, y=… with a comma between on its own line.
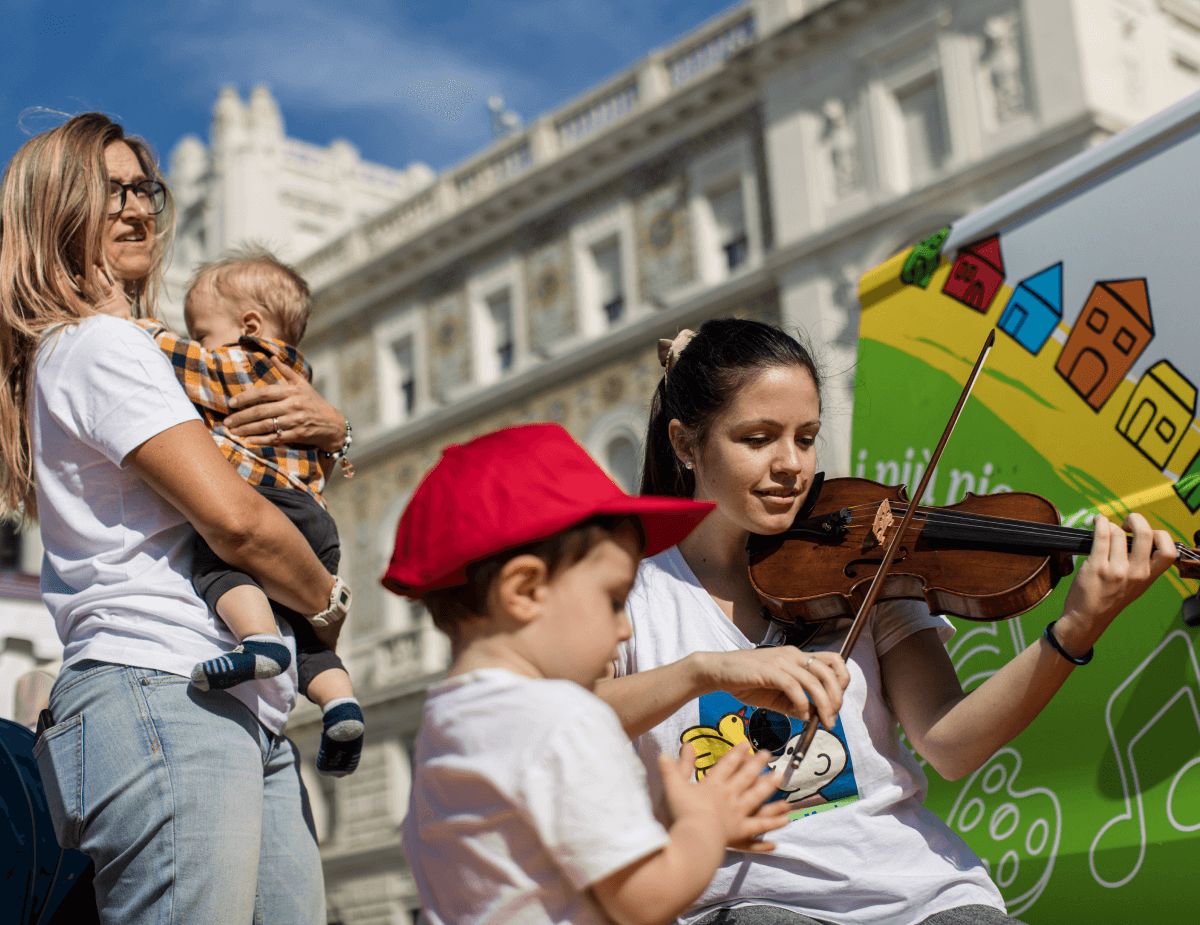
x=728, y=801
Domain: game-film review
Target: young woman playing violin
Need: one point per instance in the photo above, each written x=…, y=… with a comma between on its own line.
x=735, y=422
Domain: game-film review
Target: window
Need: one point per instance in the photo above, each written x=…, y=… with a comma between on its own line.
x=724, y=210
x=925, y=143
x=1124, y=340
x=606, y=258
x=1098, y=320
x=406, y=379
x=500, y=316
x=402, y=370
x=729, y=217
x=621, y=458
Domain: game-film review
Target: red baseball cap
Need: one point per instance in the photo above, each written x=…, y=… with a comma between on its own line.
x=509, y=488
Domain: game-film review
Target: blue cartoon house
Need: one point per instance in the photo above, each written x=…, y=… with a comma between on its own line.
x=1034, y=309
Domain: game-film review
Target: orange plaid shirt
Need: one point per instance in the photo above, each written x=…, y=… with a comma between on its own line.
x=211, y=377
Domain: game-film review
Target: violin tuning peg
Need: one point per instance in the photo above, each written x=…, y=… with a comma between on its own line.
x=1191, y=610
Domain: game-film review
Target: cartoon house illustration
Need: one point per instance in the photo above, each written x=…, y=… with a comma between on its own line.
x=923, y=260
x=1158, y=412
x=1184, y=467
x=1188, y=486
x=1112, y=331
x=977, y=274
x=1034, y=309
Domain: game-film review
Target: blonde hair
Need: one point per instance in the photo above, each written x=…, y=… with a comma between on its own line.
x=52, y=223
x=253, y=273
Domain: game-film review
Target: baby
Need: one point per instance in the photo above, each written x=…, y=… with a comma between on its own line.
x=242, y=312
x=528, y=803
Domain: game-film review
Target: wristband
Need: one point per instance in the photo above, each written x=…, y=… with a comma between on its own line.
x=1054, y=644
x=339, y=605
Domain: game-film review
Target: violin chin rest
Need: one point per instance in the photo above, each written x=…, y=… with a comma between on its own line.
x=1191, y=610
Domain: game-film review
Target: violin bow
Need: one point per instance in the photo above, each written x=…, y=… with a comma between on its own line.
x=810, y=726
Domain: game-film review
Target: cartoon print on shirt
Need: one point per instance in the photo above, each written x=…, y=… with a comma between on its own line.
x=824, y=780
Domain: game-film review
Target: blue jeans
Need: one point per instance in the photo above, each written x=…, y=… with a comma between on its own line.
x=190, y=809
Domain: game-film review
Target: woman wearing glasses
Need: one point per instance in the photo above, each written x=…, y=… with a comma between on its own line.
x=189, y=802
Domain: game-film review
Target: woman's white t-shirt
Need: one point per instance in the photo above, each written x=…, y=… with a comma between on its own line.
x=116, y=575
x=860, y=847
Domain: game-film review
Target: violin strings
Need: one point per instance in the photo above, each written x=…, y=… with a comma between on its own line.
x=998, y=526
x=1186, y=554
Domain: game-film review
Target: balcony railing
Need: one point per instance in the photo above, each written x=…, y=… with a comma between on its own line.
x=702, y=58
x=604, y=111
x=545, y=140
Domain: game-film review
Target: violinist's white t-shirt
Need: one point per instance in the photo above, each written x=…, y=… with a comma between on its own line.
x=861, y=849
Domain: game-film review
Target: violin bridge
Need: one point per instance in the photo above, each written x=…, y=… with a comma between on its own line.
x=883, y=522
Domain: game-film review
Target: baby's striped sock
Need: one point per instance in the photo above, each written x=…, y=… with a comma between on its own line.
x=260, y=656
x=342, y=738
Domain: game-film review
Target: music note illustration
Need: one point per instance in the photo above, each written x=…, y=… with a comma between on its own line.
x=1154, y=729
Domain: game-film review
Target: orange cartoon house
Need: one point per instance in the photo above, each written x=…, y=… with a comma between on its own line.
x=1159, y=412
x=1112, y=331
x=977, y=274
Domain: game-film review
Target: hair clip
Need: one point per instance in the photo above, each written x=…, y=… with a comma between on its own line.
x=669, y=350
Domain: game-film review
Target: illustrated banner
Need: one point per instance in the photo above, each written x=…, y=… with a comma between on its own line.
x=1089, y=398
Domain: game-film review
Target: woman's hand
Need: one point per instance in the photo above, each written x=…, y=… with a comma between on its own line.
x=1111, y=578
x=957, y=732
x=780, y=678
x=303, y=416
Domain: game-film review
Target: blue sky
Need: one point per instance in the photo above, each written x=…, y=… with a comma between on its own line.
x=335, y=68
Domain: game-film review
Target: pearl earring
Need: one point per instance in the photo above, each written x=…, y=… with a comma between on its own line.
x=687, y=465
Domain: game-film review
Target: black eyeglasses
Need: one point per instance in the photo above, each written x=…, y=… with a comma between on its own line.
x=152, y=194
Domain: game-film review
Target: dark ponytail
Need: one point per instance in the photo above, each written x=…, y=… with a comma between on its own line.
x=725, y=354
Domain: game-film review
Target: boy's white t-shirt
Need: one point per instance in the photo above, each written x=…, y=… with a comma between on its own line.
x=116, y=575
x=861, y=849
x=526, y=791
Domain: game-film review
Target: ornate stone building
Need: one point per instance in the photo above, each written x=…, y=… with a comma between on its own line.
x=757, y=166
x=253, y=183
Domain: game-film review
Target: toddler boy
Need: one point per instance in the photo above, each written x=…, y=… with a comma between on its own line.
x=528, y=804
x=241, y=312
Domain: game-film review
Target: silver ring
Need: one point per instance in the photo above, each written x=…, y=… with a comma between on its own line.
x=809, y=662
x=278, y=429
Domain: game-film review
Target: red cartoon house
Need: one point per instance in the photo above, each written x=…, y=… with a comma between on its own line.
x=977, y=274
x=1110, y=334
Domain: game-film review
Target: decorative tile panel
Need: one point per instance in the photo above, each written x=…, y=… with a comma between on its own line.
x=449, y=345
x=664, y=241
x=549, y=292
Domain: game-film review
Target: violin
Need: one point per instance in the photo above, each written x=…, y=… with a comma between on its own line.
x=986, y=558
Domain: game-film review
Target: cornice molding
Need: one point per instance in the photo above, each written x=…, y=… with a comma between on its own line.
x=636, y=137
x=696, y=306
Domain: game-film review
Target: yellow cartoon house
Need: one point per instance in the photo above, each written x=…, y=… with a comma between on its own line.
x=1159, y=412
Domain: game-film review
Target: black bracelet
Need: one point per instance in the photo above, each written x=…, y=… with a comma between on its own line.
x=1053, y=640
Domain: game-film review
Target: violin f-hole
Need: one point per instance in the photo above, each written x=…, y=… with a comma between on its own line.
x=850, y=572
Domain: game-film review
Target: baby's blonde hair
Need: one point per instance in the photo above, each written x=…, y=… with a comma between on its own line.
x=254, y=274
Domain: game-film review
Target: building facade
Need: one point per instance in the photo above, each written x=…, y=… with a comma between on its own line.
x=252, y=183
x=755, y=167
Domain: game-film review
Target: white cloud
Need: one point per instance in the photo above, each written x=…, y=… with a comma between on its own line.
x=326, y=58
